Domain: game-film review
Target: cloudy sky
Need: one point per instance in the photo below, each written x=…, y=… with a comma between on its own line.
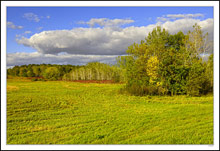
x=78, y=35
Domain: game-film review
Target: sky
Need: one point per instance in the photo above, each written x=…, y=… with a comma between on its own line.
x=78, y=35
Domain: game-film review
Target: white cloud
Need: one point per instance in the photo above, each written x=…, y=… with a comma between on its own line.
x=13, y=26
x=107, y=22
x=174, y=16
x=23, y=34
x=31, y=17
x=103, y=41
x=39, y=28
x=208, y=26
x=17, y=35
x=83, y=45
x=169, y=17
x=162, y=19
x=37, y=58
x=187, y=24
x=48, y=17
x=181, y=24
x=27, y=32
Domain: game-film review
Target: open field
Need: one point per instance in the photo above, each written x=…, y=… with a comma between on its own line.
x=58, y=112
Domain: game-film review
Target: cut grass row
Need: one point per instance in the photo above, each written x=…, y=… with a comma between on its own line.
x=56, y=112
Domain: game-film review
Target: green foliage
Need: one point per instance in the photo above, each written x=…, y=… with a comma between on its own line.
x=176, y=41
x=194, y=79
x=23, y=72
x=30, y=73
x=156, y=42
x=34, y=79
x=168, y=64
x=60, y=112
x=51, y=73
x=209, y=71
x=35, y=70
x=152, y=69
x=173, y=72
x=91, y=71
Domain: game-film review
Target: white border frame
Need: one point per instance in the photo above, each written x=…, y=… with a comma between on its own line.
x=4, y=4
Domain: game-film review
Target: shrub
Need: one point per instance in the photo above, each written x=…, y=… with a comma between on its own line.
x=34, y=79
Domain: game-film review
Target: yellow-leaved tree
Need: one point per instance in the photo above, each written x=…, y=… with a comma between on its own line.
x=152, y=69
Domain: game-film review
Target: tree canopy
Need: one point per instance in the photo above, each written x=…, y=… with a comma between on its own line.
x=168, y=64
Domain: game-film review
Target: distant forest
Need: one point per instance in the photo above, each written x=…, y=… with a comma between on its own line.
x=91, y=71
x=162, y=64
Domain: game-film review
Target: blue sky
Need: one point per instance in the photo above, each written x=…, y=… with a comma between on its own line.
x=26, y=22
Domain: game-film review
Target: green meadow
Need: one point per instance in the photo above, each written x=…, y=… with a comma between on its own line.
x=59, y=112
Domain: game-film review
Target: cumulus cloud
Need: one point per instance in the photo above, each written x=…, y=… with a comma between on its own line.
x=185, y=25
x=79, y=46
x=107, y=22
x=106, y=40
x=22, y=58
x=102, y=41
x=31, y=17
x=13, y=26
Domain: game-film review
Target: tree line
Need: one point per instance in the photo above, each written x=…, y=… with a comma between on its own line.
x=90, y=71
x=45, y=71
x=166, y=64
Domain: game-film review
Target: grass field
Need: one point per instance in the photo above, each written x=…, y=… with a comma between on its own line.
x=57, y=112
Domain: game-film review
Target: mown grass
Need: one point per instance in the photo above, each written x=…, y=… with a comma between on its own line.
x=56, y=112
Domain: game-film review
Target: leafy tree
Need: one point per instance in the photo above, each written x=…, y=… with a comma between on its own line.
x=176, y=41
x=36, y=71
x=195, y=42
x=152, y=69
x=210, y=69
x=51, y=73
x=194, y=80
x=167, y=64
x=23, y=72
x=30, y=72
x=208, y=75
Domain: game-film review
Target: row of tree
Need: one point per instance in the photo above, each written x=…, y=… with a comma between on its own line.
x=46, y=71
x=169, y=64
x=91, y=71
